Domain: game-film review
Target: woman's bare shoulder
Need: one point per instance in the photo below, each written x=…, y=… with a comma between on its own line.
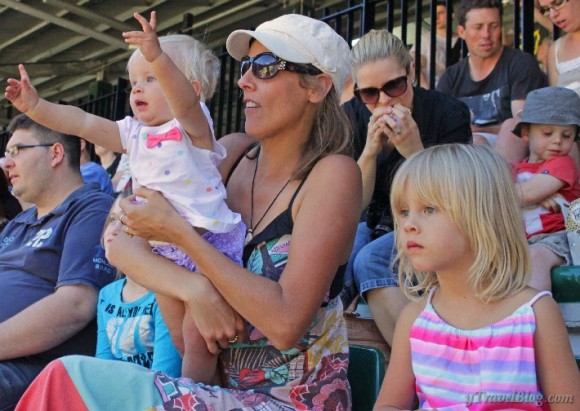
x=335, y=168
x=337, y=165
x=236, y=145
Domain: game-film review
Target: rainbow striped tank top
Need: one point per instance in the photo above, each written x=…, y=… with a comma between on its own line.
x=490, y=368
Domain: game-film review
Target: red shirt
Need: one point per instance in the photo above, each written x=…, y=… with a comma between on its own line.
x=538, y=220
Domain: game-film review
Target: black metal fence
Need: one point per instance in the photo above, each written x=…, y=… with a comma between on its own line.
x=351, y=19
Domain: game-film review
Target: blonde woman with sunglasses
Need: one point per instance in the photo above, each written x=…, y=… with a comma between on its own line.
x=392, y=120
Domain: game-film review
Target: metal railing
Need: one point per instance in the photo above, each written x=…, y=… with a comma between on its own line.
x=351, y=19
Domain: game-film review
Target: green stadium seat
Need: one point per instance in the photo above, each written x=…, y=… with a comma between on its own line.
x=366, y=370
x=566, y=284
x=566, y=292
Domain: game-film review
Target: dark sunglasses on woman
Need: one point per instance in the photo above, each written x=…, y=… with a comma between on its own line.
x=268, y=65
x=392, y=88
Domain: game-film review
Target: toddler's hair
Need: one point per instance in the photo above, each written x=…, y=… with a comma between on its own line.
x=194, y=60
x=476, y=188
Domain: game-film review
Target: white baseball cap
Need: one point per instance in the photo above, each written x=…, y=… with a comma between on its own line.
x=299, y=39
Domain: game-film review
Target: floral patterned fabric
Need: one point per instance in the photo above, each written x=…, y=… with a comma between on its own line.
x=310, y=376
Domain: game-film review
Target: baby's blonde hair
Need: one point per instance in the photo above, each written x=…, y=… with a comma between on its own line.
x=194, y=60
x=475, y=187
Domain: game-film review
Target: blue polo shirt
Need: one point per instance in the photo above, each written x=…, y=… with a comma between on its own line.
x=94, y=173
x=61, y=248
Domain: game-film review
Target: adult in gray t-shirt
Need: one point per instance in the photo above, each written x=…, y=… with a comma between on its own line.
x=493, y=80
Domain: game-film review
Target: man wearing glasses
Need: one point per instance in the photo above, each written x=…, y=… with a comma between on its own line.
x=51, y=263
x=493, y=80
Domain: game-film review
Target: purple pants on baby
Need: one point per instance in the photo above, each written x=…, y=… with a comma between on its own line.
x=231, y=244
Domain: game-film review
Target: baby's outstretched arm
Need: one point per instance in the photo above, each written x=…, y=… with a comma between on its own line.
x=21, y=93
x=181, y=94
x=65, y=119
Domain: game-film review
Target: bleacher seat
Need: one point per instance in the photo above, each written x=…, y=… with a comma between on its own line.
x=366, y=370
x=566, y=292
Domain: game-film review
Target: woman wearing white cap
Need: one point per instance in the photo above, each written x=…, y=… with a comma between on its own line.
x=299, y=196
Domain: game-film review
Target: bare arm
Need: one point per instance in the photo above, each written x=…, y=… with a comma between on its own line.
x=517, y=107
x=48, y=322
x=171, y=301
x=65, y=119
x=180, y=93
x=557, y=372
x=389, y=128
x=398, y=389
x=324, y=227
x=215, y=319
x=551, y=65
x=367, y=163
x=538, y=188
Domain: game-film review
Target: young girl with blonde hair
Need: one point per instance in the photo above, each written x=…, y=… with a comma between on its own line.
x=475, y=334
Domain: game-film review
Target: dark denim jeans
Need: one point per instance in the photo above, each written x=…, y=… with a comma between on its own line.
x=369, y=264
x=15, y=377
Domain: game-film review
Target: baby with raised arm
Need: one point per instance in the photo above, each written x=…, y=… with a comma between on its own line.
x=171, y=148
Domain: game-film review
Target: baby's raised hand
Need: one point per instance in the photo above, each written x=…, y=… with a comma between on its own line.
x=146, y=40
x=20, y=92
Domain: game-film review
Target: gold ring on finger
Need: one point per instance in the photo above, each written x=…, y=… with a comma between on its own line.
x=235, y=340
x=127, y=232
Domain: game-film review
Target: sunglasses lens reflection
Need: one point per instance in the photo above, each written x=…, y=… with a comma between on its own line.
x=264, y=65
x=393, y=88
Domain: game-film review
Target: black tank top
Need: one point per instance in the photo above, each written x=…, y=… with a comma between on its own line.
x=280, y=226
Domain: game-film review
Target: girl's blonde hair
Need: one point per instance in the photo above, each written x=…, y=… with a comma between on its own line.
x=194, y=60
x=475, y=187
x=379, y=45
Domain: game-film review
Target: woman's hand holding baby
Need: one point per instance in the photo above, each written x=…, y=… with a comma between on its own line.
x=215, y=319
x=149, y=215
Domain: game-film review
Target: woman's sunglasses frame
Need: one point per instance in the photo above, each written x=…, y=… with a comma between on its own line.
x=265, y=70
x=392, y=88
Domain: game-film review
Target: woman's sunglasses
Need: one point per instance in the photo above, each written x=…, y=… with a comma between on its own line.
x=267, y=65
x=393, y=88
